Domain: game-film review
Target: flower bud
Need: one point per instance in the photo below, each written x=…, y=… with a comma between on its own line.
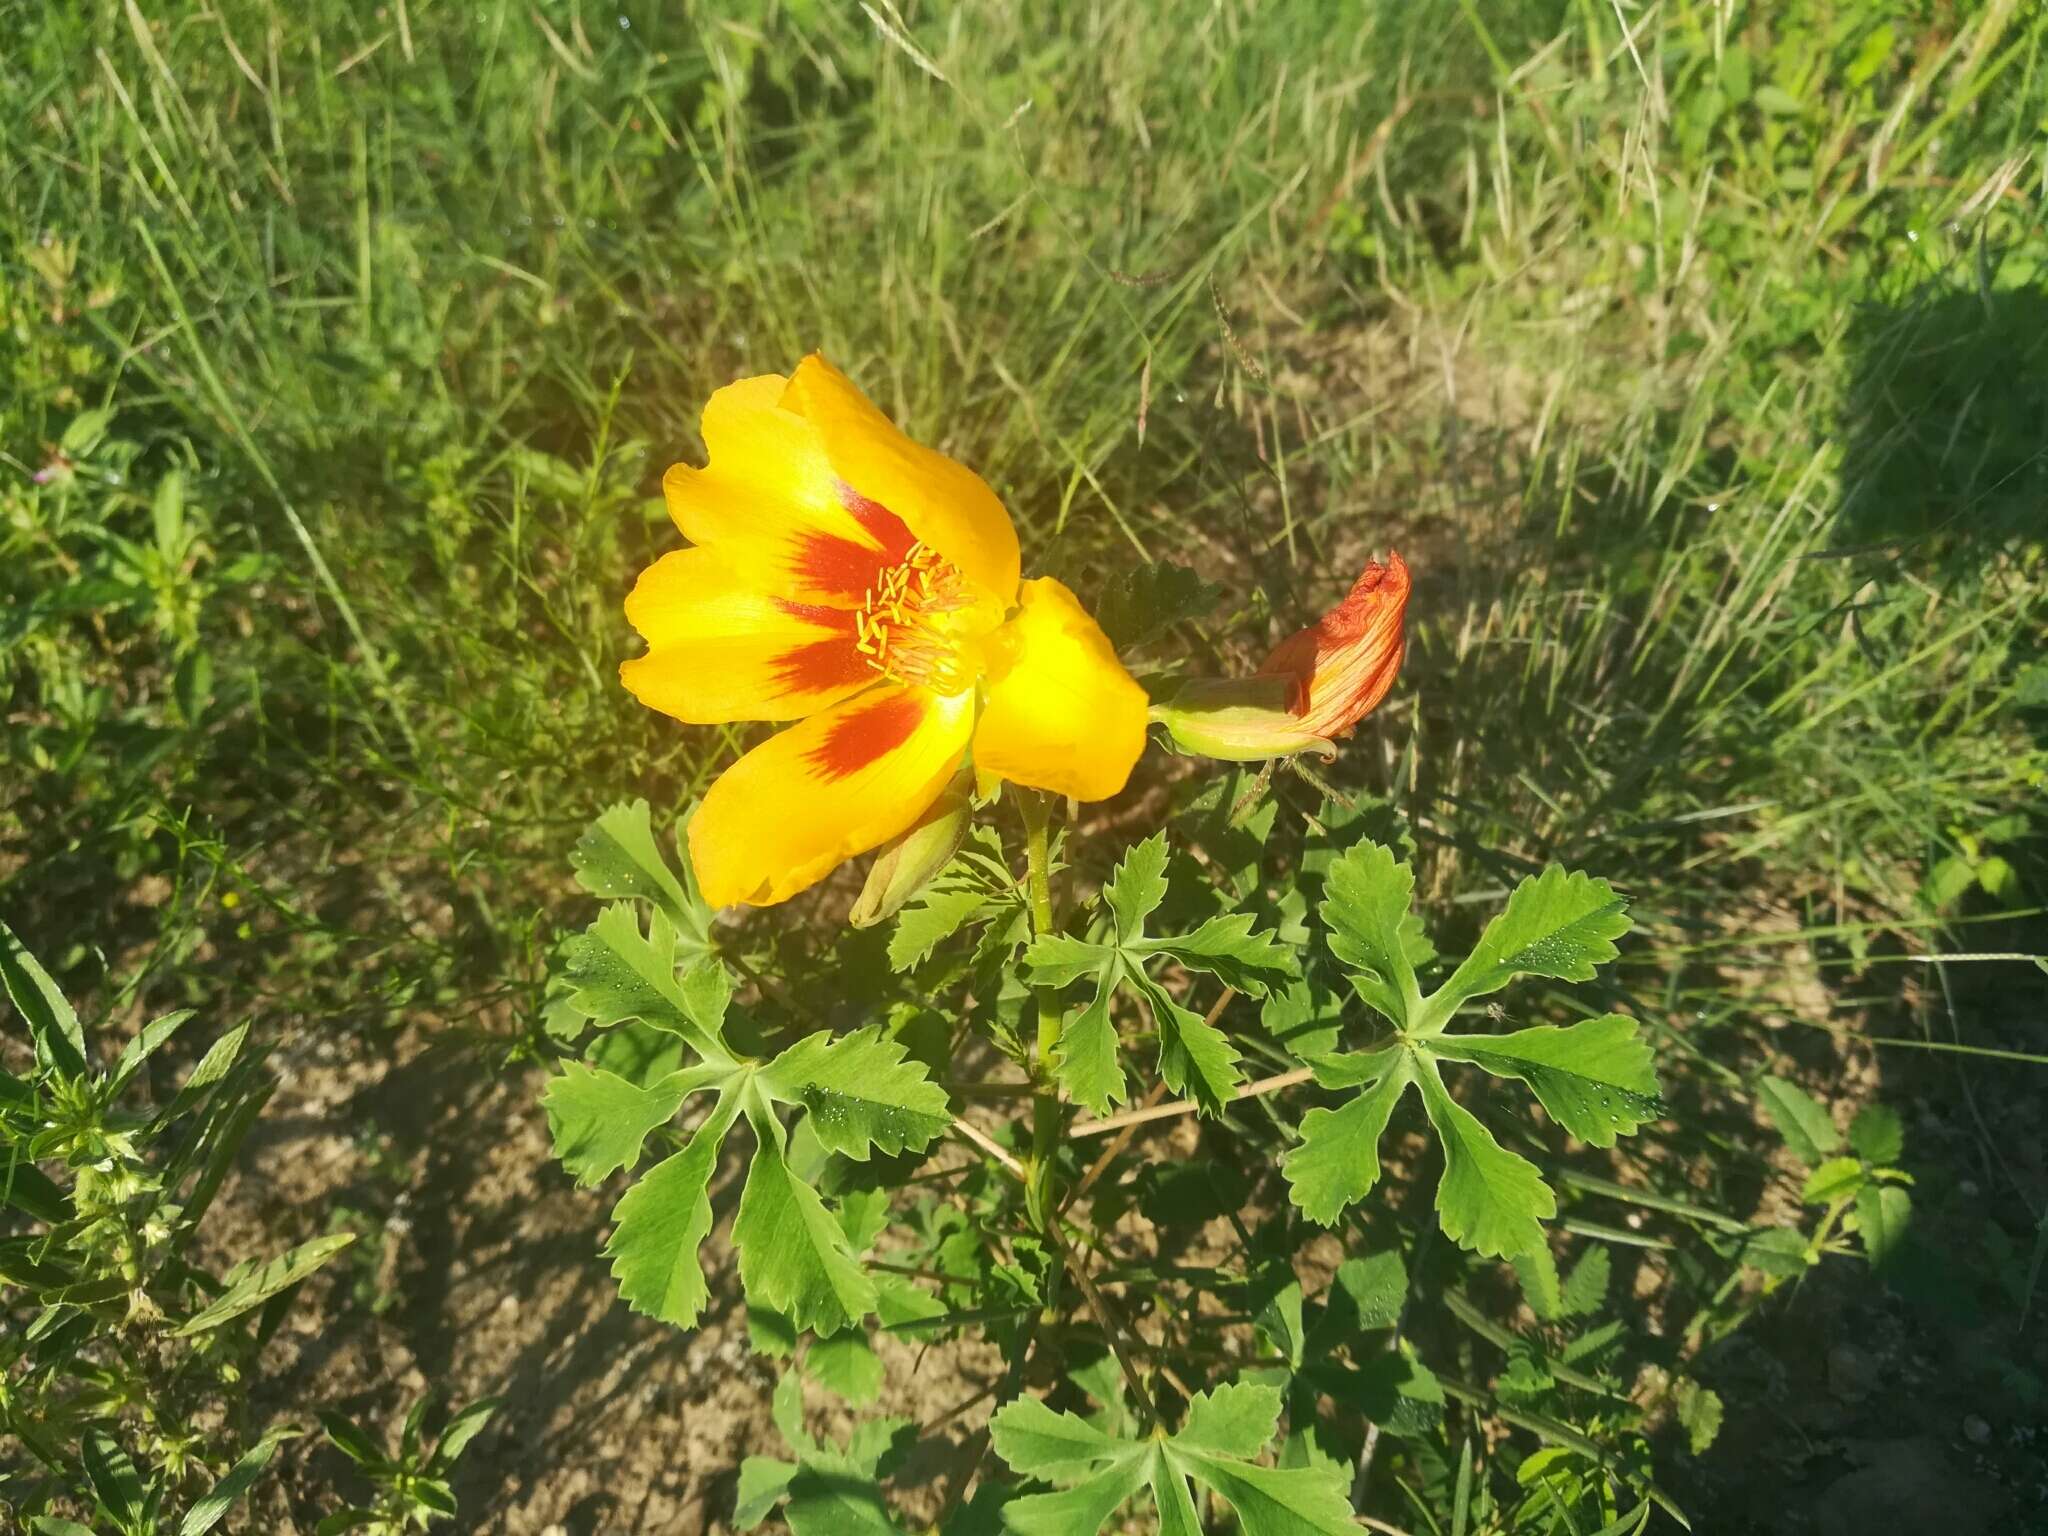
x=1317, y=684
x=1238, y=719
x=905, y=866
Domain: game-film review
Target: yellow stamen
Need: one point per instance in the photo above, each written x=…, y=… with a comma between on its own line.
x=902, y=625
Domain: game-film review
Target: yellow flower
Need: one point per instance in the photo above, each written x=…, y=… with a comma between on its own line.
x=866, y=587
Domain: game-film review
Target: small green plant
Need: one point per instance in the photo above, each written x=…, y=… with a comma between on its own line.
x=838, y=1225
x=411, y=1486
x=1861, y=1192
x=125, y=1367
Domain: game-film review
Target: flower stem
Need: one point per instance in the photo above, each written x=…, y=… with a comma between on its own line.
x=1046, y=1110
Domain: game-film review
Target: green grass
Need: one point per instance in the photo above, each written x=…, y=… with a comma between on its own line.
x=1698, y=371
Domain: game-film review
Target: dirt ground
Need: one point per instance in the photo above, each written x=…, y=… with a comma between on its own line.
x=489, y=1263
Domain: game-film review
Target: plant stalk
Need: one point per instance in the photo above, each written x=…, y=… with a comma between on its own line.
x=1046, y=1110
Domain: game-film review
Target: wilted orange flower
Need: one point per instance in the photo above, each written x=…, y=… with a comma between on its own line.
x=1318, y=683
x=866, y=587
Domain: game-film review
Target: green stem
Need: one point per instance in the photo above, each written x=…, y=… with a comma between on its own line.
x=1046, y=1111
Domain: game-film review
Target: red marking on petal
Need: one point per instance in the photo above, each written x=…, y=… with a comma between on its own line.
x=882, y=525
x=827, y=563
x=819, y=666
x=865, y=734
x=824, y=615
x=822, y=666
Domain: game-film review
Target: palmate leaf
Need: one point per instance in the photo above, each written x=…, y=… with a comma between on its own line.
x=1557, y=924
x=1235, y=1419
x=1222, y=1431
x=1277, y=1501
x=660, y=1222
x=1598, y=1078
x=1086, y=1507
x=1038, y=1441
x=1173, y=1500
x=617, y=973
x=1196, y=1059
x=862, y=1091
x=1595, y=1078
x=1306, y=1015
x=1489, y=1199
x=794, y=1258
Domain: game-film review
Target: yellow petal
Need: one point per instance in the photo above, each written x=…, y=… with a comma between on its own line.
x=945, y=505
x=844, y=781
x=719, y=650
x=1062, y=713
x=771, y=505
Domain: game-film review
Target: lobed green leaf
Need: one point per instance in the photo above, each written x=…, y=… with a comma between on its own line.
x=659, y=1223
x=1038, y=1441
x=618, y=859
x=1138, y=887
x=1195, y=1057
x=923, y=927
x=862, y=1091
x=599, y=1121
x=1490, y=1199
x=1372, y=931
x=1555, y=924
x=794, y=1257
x=1276, y=1501
x=1337, y=1161
x=1235, y=1419
x=617, y=973
x=1597, y=1078
x=1228, y=949
x=1085, y=1508
x=1088, y=1066
x=1056, y=960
